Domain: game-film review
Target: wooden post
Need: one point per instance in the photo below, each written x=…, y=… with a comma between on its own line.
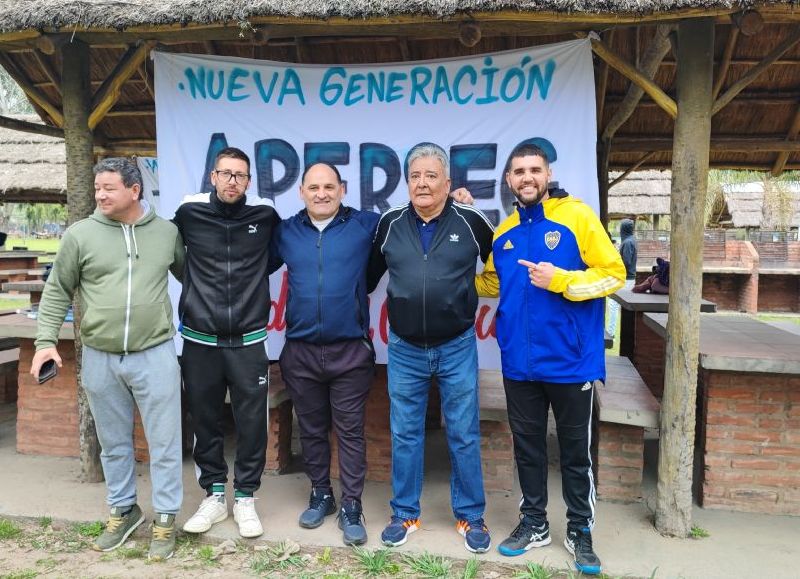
x=690, y=159
x=79, y=143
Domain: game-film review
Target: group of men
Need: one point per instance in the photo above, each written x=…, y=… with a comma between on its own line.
x=550, y=261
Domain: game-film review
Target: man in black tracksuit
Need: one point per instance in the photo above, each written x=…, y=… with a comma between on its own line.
x=224, y=310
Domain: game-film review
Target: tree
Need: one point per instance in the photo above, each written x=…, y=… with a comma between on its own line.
x=12, y=100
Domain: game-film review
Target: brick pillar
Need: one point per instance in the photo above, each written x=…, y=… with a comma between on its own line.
x=618, y=455
x=47, y=417
x=748, y=293
x=649, y=357
x=751, y=442
x=279, y=438
x=497, y=456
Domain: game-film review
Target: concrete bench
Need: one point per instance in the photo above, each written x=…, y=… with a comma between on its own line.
x=624, y=407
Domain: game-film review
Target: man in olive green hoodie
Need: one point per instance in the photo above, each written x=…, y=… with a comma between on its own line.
x=119, y=258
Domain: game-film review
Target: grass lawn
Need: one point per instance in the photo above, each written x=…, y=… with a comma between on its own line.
x=33, y=244
x=793, y=318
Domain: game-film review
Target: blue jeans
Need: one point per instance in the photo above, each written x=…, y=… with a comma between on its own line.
x=455, y=365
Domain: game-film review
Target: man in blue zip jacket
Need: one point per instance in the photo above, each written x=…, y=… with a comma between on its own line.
x=328, y=361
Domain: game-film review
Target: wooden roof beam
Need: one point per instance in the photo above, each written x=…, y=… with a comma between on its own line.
x=725, y=63
x=33, y=93
x=650, y=62
x=646, y=157
x=108, y=93
x=780, y=161
x=602, y=83
x=28, y=127
x=643, y=144
x=48, y=70
x=756, y=71
x=636, y=77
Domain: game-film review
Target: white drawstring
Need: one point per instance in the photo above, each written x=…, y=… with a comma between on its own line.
x=135, y=246
x=127, y=241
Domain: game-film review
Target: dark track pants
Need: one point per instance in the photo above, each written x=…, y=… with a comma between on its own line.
x=329, y=385
x=208, y=372
x=528, y=404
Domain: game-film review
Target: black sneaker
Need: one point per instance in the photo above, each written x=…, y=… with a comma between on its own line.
x=579, y=543
x=351, y=522
x=526, y=536
x=320, y=505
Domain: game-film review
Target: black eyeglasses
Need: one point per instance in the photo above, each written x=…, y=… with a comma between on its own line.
x=226, y=176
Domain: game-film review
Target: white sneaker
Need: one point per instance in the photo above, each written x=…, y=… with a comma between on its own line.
x=212, y=510
x=244, y=513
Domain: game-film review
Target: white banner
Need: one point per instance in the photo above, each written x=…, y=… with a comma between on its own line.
x=365, y=119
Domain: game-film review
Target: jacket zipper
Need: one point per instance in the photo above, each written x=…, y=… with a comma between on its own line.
x=319, y=288
x=424, y=296
x=527, y=314
x=128, y=297
x=230, y=313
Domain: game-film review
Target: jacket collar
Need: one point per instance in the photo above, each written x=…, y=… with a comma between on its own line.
x=447, y=206
x=342, y=215
x=226, y=209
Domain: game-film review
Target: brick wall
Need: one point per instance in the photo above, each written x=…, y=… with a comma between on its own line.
x=497, y=456
x=649, y=357
x=793, y=252
x=9, y=368
x=723, y=289
x=47, y=416
x=779, y=293
x=750, y=442
x=618, y=456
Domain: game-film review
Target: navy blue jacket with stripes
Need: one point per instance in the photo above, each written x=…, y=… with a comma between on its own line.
x=327, y=297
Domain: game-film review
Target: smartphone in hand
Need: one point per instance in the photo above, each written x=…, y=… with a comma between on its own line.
x=47, y=371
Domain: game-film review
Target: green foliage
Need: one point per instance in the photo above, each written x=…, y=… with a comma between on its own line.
x=9, y=529
x=206, y=554
x=24, y=574
x=471, y=569
x=428, y=565
x=137, y=552
x=698, y=532
x=281, y=558
x=324, y=558
x=45, y=521
x=93, y=529
x=374, y=563
x=535, y=571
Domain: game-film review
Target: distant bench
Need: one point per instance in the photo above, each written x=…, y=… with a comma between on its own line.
x=624, y=407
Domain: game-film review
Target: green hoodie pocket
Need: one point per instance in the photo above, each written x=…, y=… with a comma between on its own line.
x=103, y=328
x=150, y=324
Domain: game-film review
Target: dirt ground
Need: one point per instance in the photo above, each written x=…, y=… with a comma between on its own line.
x=43, y=548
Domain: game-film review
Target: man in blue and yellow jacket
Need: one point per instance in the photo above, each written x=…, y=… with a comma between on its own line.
x=551, y=264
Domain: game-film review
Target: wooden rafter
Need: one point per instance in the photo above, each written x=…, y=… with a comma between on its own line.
x=33, y=93
x=756, y=71
x=622, y=66
x=602, y=83
x=646, y=157
x=28, y=127
x=791, y=135
x=650, y=61
x=48, y=70
x=108, y=93
x=725, y=63
x=643, y=144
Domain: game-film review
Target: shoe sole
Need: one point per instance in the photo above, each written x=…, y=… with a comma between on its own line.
x=149, y=558
x=124, y=537
x=586, y=570
x=351, y=542
x=252, y=535
x=326, y=515
x=471, y=549
x=514, y=552
x=219, y=519
x=401, y=542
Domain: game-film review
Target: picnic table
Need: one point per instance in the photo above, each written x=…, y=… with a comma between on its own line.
x=18, y=259
x=748, y=413
x=34, y=287
x=633, y=306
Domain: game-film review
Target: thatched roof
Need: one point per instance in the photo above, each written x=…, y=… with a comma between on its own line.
x=753, y=131
x=745, y=206
x=640, y=193
x=32, y=167
x=121, y=14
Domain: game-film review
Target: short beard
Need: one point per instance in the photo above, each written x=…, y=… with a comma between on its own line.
x=533, y=203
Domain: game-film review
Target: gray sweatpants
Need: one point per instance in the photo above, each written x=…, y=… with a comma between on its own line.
x=151, y=379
